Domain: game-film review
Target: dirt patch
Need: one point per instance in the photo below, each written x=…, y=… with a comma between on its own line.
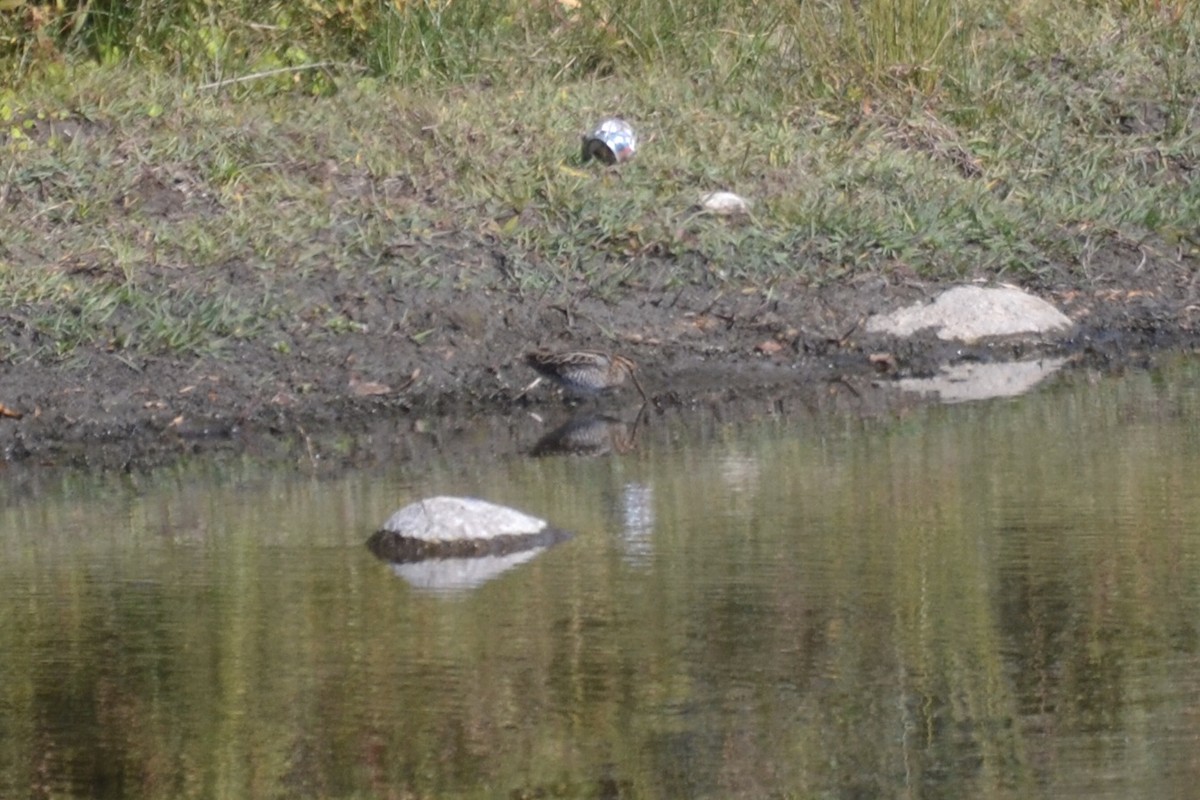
x=397, y=390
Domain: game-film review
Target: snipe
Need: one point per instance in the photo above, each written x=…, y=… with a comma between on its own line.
x=585, y=371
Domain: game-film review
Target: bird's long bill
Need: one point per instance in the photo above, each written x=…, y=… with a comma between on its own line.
x=638, y=386
x=638, y=420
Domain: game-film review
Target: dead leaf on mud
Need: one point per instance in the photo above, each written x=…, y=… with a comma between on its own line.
x=9, y=411
x=1114, y=295
x=155, y=404
x=361, y=388
x=768, y=348
x=638, y=338
x=882, y=362
x=706, y=323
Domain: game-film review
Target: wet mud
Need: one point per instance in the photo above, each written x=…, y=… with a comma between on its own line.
x=345, y=399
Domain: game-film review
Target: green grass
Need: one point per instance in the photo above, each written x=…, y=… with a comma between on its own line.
x=173, y=182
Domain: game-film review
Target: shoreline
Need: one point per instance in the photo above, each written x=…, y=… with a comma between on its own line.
x=113, y=410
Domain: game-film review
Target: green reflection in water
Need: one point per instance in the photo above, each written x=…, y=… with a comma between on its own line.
x=988, y=601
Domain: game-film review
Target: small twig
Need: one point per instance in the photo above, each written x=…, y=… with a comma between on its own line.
x=675, y=300
x=715, y=300
x=841, y=379
x=412, y=379
x=566, y=312
x=841, y=340
x=563, y=70
x=266, y=74
x=528, y=388
x=127, y=362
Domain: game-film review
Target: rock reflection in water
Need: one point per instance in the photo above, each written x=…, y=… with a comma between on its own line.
x=590, y=434
x=456, y=543
x=964, y=382
x=460, y=574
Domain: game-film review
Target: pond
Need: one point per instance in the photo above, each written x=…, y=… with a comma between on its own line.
x=988, y=600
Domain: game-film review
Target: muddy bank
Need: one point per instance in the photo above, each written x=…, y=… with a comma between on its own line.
x=803, y=347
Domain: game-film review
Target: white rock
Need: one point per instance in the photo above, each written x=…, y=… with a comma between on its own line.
x=447, y=519
x=971, y=313
x=725, y=203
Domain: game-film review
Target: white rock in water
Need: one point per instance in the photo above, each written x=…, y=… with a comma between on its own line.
x=726, y=203
x=448, y=519
x=970, y=313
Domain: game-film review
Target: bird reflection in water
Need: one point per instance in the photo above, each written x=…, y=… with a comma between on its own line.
x=591, y=434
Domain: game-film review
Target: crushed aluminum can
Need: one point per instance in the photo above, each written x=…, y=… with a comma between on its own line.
x=613, y=142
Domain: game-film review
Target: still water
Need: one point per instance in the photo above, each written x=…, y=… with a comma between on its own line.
x=984, y=600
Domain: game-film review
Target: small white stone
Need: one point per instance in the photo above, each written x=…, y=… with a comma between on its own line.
x=449, y=519
x=725, y=203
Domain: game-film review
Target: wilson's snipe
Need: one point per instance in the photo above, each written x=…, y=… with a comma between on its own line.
x=584, y=371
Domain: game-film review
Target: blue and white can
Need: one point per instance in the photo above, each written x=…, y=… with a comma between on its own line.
x=613, y=142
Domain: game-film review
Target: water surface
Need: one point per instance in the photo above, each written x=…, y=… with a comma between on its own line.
x=984, y=600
